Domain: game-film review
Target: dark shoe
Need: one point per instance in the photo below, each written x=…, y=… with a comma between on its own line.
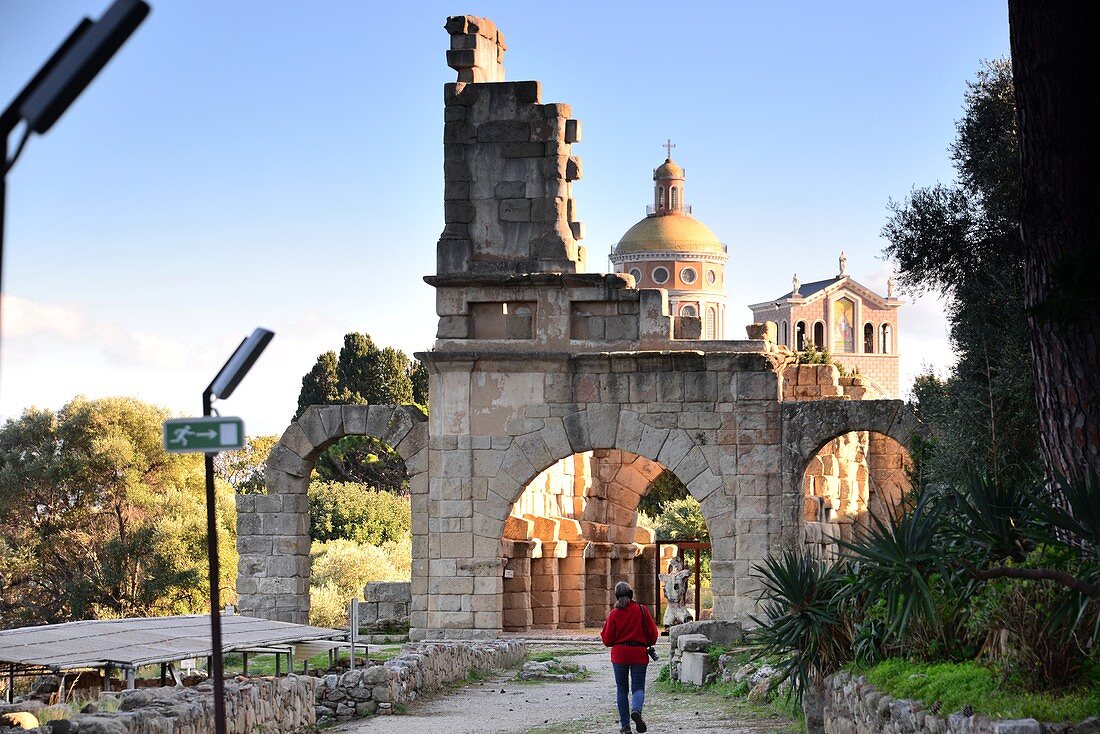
x=625, y=731
x=638, y=723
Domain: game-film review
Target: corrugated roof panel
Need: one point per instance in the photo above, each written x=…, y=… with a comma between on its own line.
x=143, y=641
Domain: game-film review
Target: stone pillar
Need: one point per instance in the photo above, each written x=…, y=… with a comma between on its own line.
x=273, y=541
x=477, y=49
x=571, y=586
x=545, y=589
x=644, y=577
x=517, y=589
x=597, y=583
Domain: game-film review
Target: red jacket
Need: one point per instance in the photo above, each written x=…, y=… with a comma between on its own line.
x=631, y=624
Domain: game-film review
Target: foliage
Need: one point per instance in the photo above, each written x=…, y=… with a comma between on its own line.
x=682, y=520
x=364, y=460
x=244, y=468
x=343, y=511
x=664, y=489
x=97, y=521
x=804, y=623
x=363, y=374
x=963, y=243
x=321, y=385
x=957, y=684
x=341, y=568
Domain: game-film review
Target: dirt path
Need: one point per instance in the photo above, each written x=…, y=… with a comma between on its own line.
x=501, y=705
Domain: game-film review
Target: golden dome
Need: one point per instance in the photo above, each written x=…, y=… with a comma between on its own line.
x=668, y=169
x=669, y=233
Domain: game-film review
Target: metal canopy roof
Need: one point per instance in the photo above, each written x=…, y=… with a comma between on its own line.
x=143, y=641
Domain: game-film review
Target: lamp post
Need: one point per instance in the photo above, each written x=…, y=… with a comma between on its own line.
x=75, y=63
x=222, y=386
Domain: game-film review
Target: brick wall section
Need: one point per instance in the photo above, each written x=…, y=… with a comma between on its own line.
x=385, y=605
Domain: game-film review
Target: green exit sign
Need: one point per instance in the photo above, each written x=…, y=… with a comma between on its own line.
x=205, y=435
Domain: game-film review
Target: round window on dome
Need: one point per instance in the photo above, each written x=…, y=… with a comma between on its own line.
x=712, y=277
x=688, y=275
x=637, y=275
x=660, y=275
x=689, y=310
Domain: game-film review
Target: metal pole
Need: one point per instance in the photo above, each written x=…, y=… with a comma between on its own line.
x=215, y=606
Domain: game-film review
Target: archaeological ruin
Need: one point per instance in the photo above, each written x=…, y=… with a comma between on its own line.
x=558, y=396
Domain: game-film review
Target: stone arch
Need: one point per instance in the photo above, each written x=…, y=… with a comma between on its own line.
x=537, y=443
x=273, y=528
x=809, y=425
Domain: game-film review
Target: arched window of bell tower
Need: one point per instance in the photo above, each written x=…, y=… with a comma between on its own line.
x=674, y=198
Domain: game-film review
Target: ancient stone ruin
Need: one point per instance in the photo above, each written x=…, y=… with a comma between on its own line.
x=558, y=396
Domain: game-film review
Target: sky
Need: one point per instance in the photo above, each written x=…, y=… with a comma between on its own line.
x=278, y=163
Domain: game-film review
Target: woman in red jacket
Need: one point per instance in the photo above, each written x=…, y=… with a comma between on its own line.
x=629, y=631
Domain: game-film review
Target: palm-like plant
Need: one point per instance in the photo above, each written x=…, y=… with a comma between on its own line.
x=804, y=622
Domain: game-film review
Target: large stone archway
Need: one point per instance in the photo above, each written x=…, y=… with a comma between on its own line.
x=273, y=528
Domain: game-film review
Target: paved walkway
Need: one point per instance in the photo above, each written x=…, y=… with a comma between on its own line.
x=503, y=705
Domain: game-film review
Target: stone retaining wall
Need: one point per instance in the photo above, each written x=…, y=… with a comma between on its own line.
x=421, y=667
x=271, y=705
x=385, y=606
x=854, y=706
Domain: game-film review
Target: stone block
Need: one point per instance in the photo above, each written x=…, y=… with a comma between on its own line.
x=694, y=668
x=692, y=642
x=572, y=131
x=503, y=131
x=462, y=212
x=573, y=169
x=525, y=149
x=510, y=190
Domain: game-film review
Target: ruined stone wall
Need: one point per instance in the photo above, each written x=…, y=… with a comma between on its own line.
x=420, y=668
x=385, y=606
x=508, y=166
x=271, y=705
x=854, y=706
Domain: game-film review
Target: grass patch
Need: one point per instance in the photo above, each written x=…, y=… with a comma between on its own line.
x=557, y=668
x=545, y=656
x=734, y=695
x=958, y=684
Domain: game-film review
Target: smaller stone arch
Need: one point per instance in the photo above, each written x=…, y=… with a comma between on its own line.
x=273, y=528
x=809, y=425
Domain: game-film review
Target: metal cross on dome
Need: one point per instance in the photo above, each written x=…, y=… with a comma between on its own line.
x=669, y=145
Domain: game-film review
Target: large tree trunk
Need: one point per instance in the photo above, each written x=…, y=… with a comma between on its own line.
x=1056, y=69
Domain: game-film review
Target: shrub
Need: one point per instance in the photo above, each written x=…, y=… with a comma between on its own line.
x=341, y=568
x=340, y=510
x=805, y=625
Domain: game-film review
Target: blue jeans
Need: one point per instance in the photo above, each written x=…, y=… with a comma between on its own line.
x=629, y=697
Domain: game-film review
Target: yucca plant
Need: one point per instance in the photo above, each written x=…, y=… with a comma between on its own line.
x=804, y=622
x=893, y=559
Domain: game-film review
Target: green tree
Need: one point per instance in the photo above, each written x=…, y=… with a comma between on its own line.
x=363, y=374
x=418, y=376
x=96, y=520
x=963, y=242
x=340, y=510
x=244, y=468
x=321, y=385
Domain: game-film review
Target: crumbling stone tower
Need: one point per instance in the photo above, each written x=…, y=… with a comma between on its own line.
x=557, y=397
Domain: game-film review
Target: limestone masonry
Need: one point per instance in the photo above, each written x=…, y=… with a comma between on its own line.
x=558, y=396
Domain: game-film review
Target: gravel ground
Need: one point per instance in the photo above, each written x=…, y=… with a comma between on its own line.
x=502, y=704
